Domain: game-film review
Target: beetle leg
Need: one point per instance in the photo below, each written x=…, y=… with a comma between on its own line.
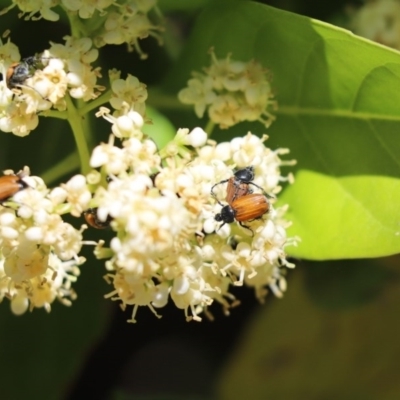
x=271, y=196
x=247, y=227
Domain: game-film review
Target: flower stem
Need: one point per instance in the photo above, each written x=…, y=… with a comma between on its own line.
x=76, y=122
x=104, y=98
x=165, y=101
x=77, y=28
x=55, y=114
x=209, y=127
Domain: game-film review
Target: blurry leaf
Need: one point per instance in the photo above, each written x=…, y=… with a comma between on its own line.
x=294, y=349
x=161, y=129
x=124, y=396
x=181, y=5
x=357, y=281
x=339, y=114
x=42, y=353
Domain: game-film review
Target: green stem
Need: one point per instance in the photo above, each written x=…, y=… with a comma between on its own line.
x=104, y=98
x=78, y=29
x=161, y=100
x=86, y=125
x=209, y=127
x=55, y=114
x=76, y=123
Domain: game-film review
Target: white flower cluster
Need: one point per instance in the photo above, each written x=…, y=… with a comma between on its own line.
x=128, y=23
x=39, y=251
x=35, y=9
x=167, y=243
x=124, y=21
x=86, y=8
x=378, y=20
x=231, y=92
x=65, y=70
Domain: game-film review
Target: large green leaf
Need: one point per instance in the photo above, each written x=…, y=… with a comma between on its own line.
x=339, y=114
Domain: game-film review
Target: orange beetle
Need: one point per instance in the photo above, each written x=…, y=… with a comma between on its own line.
x=93, y=220
x=246, y=208
x=238, y=184
x=236, y=189
x=9, y=185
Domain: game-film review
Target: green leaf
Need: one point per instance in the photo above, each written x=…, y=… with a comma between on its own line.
x=294, y=349
x=161, y=130
x=339, y=114
x=181, y=5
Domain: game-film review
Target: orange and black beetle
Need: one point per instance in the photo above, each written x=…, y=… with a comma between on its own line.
x=9, y=185
x=238, y=184
x=93, y=220
x=236, y=189
x=246, y=208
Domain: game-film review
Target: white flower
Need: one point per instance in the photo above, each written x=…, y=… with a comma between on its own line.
x=9, y=54
x=50, y=82
x=78, y=195
x=132, y=291
x=196, y=138
x=142, y=156
x=109, y=156
x=128, y=126
x=78, y=55
x=129, y=94
x=199, y=92
x=17, y=120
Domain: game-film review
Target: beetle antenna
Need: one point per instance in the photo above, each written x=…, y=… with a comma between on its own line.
x=212, y=189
